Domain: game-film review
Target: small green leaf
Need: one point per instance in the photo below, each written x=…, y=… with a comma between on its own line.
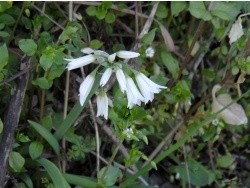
x=26, y=179
x=162, y=11
x=43, y=83
x=91, y=11
x=149, y=37
x=197, y=173
x=4, y=56
x=226, y=10
x=235, y=70
x=16, y=161
x=177, y=7
x=35, y=149
x=110, y=17
x=47, y=136
x=4, y=34
x=198, y=10
x=111, y=176
x=4, y=5
x=47, y=57
x=28, y=46
x=171, y=64
x=1, y=126
x=96, y=44
x=225, y=161
x=7, y=19
x=54, y=173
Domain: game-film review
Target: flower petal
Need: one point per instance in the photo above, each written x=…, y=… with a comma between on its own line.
x=86, y=87
x=127, y=54
x=87, y=50
x=111, y=57
x=121, y=79
x=106, y=75
x=79, y=62
x=102, y=105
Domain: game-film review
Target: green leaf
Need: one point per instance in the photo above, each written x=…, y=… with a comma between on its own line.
x=35, y=149
x=4, y=56
x=47, y=136
x=4, y=5
x=26, y=179
x=83, y=181
x=4, y=34
x=198, y=10
x=91, y=11
x=171, y=63
x=1, y=126
x=149, y=37
x=16, y=161
x=43, y=83
x=111, y=176
x=137, y=113
x=96, y=44
x=54, y=173
x=198, y=174
x=226, y=10
x=225, y=161
x=177, y=7
x=46, y=60
x=162, y=11
x=7, y=19
x=28, y=46
x=110, y=17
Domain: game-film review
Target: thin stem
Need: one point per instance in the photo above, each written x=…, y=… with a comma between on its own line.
x=42, y=105
x=111, y=159
x=66, y=96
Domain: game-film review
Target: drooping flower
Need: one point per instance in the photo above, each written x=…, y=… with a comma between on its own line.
x=102, y=104
x=81, y=61
x=121, y=79
x=133, y=94
x=150, y=52
x=127, y=54
x=106, y=75
x=147, y=87
x=86, y=87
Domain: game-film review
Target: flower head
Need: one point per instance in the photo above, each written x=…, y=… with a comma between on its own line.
x=81, y=61
x=127, y=54
x=102, y=104
x=106, y=75
x=150, y=52
x=121, y=79
x=128, y=132
x=133, y=95
x=147, y=87
x=86, y=87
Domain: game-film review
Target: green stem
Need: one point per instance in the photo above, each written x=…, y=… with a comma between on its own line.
x=111, y=159
x=42, y=105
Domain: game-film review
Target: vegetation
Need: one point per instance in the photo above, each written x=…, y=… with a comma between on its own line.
x=193, y=133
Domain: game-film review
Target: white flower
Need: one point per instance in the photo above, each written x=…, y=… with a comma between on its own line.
x=102, y=104
x=127, y=54
x=133, y=94
x=236, y=31
x=81, y=61
x=106, y=75
x=111, y=57
x=121, y=79
x=147, y=87
x=150, y=52
x=86, y=87
x=215, y=121
x=87, y=50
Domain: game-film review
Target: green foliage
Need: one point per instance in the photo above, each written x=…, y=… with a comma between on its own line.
x=198, y=10
x=16, y=161
x=28, y=46
x=225, y=161
x=113, y=174
x=35, y=149
x=149, y=37
x=177, y=7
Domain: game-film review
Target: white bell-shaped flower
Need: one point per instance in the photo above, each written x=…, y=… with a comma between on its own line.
x=127, y=54
x=106, y=75
x=86, y=87
x=121, y=79
x=102, y=104
x=81, y=61
x=133, y=94
x=147, y=87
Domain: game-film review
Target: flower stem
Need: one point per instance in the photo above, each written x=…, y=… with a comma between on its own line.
x=111, y=159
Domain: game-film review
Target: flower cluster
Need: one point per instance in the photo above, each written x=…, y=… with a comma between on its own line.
x=146, y=90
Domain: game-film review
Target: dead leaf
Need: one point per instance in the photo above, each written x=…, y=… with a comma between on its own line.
x=234, y=114
x=167, y=38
